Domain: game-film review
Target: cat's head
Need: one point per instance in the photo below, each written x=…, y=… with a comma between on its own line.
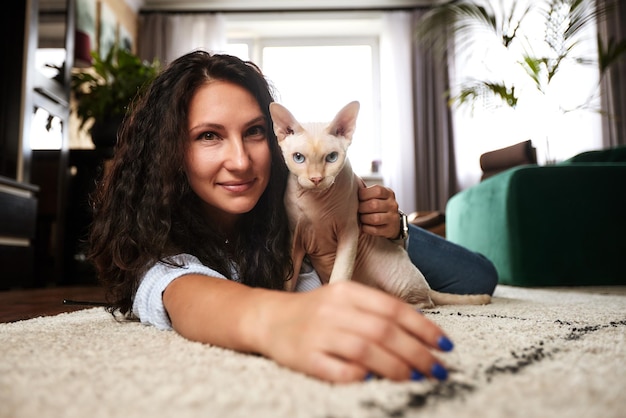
x=315, y=152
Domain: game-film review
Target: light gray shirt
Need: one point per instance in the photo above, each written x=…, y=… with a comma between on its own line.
x=148, y=302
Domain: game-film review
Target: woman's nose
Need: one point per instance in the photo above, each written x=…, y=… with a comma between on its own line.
x=238, y=155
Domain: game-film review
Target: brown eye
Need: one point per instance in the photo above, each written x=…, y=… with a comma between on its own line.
x=256, y=132
x=207, y=136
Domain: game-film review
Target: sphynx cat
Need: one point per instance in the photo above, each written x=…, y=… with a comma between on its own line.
x=322, y=206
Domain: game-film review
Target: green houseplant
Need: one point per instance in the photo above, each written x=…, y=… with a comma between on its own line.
x=531, y=63
x=563, y=22
x=104, y=91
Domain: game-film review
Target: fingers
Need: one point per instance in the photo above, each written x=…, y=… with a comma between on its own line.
x=382, y=347
x=345, y=331
x=325, y=366
x=383, y=335
x=376, y=191
x=378, y=211
x=377, y=199
x=391, y=308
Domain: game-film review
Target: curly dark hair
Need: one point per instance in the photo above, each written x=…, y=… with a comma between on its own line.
x=144, y=209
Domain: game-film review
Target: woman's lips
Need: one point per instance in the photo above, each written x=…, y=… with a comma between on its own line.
x=238, y=186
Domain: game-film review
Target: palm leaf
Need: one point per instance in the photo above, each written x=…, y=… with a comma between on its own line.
x=534, y=68
x=461, y=20
x=454, y=21
x=465, y=21
x=486, y=91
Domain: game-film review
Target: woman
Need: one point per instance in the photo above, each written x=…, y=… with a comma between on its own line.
x=194, y=197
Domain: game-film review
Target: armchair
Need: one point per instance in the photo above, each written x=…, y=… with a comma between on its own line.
x=554, y=225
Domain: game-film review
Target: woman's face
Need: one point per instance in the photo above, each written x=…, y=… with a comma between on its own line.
x=227, y=160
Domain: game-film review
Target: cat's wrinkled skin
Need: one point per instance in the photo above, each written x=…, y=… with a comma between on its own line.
x=322, y=205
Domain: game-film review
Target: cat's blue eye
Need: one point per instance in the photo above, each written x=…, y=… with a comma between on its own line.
x=298, y=158
x=332, y=157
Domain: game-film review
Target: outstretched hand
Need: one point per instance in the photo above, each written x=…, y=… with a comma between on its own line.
x=345, y=331
x=378, y=211
x=340, y=333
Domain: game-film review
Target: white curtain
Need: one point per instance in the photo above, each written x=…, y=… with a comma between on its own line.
x=168, y=36
x=397, y=130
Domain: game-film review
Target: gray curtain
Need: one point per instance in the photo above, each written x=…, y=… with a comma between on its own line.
x=434, y=138
x=614, y=82
x=153, y=35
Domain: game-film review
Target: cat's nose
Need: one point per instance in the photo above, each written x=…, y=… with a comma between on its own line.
x=316, y=180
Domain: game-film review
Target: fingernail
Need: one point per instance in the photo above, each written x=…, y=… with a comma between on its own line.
x=439, y=372
x=369, y=376
x=416, y=376
x=445, y=344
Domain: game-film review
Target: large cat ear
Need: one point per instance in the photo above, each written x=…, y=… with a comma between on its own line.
x=285, y=123
x=344, y=123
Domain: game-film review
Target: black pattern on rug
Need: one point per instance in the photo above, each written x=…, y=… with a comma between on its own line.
x=518, y=361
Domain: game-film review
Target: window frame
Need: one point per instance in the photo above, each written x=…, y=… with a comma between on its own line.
x=255, y=51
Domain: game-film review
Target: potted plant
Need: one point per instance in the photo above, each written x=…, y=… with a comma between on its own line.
x=564, y=23
x=104, y=92
x=522, y=58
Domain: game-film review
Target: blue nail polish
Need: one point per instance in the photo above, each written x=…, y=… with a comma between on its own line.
x=416, y=376
x=445, y=344
x=439, y=372
x=369, y=376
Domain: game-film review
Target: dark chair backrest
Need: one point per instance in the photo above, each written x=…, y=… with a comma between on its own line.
x=496, y=161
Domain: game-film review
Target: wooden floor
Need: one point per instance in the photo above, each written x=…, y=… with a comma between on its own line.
x=16, y=305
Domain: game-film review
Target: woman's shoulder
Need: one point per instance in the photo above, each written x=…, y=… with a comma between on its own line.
x=179, y=264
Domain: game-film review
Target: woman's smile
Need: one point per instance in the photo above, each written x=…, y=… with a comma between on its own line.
x=240, y=186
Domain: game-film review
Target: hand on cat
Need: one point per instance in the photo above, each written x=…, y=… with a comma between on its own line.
x=345, y=331
x=378, y=211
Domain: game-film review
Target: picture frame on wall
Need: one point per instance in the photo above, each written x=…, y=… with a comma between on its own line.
x=85, y=34
x=125, y=39
x=108, y=29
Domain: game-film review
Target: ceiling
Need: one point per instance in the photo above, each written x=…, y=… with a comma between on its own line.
x=256, y=5
x=277, y=5
x=52, y=32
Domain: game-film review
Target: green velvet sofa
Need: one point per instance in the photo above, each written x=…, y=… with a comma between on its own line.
x=553, y=225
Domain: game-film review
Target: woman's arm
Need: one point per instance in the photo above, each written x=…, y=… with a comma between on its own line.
x=337, y=333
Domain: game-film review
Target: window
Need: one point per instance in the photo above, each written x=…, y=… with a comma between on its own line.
x=314, y=77
x=561, y=119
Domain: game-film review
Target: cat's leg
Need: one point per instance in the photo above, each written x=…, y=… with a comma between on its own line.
x=383, y=264
x=347, y=245
x=297, y=257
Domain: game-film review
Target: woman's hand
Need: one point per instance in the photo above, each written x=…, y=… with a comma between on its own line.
x=378, y=211
x=340, y=332
x=345, y=331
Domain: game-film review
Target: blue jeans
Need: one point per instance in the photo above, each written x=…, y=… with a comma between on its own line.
x=448, y=267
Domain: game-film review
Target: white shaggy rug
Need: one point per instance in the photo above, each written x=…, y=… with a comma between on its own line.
x=531, y=353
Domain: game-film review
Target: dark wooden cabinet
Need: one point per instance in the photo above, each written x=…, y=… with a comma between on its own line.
x=18, y=215
x=29, y=27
